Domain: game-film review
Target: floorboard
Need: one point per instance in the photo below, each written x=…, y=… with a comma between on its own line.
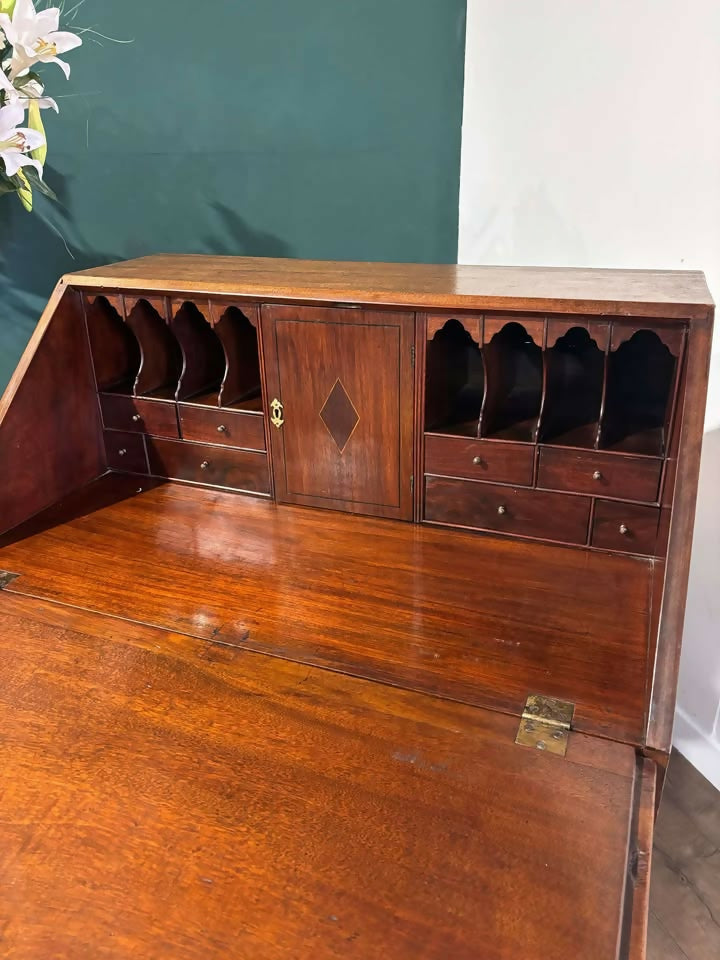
x=685, y=886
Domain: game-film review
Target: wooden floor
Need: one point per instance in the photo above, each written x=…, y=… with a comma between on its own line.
x=685, y=886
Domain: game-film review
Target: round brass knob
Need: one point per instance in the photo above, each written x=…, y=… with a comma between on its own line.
x=205, y=464
x=597, y=475
x=136, y=418
x=478, y=461
x=121, y=453
x=222, y=428
x=502, y=509
x=623, y=529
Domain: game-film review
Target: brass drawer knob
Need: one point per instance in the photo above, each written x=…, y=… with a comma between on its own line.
x=122, y=452
x=222, y=428
x=205, y=464
x=136, y=418
x=478, y=461
x=623, y=529
x=502, y=509
x=597, y=475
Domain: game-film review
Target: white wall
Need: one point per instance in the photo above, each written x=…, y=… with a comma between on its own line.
x=591, y=137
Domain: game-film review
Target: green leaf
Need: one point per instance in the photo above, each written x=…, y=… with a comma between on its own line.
x=20, y=82
x=25, y=192
x=35, y=123
x=7, y=6
x=7, y=186
x=37, y=184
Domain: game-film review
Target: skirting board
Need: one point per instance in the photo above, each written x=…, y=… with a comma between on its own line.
x=700, y=748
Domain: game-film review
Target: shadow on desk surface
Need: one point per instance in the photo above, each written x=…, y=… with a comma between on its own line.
x=109, y=490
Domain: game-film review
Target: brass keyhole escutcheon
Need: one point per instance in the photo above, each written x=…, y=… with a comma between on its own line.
x=276, y=413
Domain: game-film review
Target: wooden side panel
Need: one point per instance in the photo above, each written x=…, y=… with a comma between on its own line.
x=50, y=436
x=670, y=603
x=639, y=863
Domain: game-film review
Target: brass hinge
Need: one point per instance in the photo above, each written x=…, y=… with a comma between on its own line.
x=546, y=724
x=412, y=483
x=6, y=578
x=412, y=355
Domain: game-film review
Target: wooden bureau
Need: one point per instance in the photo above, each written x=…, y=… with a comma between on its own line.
x=342, y=607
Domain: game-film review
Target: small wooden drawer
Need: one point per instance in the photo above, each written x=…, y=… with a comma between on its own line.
x=156, y=417
x=603, y=474
x=125, y=452
x=217, y=466
x=228, y=427
x=625, y=526
x=526, y=513
x=479, y=459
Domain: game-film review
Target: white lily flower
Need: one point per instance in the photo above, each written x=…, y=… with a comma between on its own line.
x=35, y=37
x=6, y=87
x=17, y=142
x=35, y=92
x=30, y=91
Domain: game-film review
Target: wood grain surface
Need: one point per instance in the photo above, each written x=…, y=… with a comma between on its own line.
x=476, y=619
x=50, y=434
x=171, y=799
x=345, y=380
x=656, y=293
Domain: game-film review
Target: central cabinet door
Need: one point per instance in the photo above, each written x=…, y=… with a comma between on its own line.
x=342, y=382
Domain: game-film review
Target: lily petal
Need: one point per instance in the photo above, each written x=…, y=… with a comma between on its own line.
x=7, y=28
x=43, y=103
x=65, y=67
x=14, y=160
x=24, y=11
x=46, y=21
x=33, y=138
x=10, y=116
x=63, y=40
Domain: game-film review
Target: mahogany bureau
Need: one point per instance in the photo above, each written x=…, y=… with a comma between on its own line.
x=342, y=607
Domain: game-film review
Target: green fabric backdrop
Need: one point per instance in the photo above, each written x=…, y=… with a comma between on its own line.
x=300, y=128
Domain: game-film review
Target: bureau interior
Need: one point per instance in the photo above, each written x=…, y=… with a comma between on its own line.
x=543, y=447
x=544, y=427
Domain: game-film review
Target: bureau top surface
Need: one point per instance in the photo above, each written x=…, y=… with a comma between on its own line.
x=661, y=293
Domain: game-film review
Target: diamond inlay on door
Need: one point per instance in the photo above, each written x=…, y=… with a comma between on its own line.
x=346, y=382
x=339, y=415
